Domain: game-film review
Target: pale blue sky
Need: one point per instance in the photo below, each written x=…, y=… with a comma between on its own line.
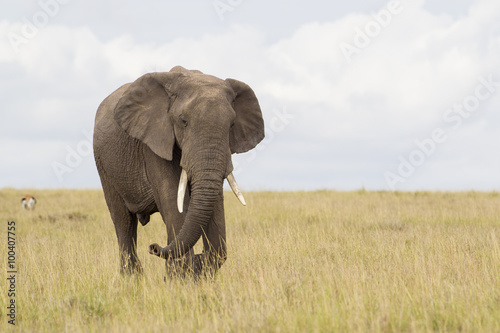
x=377, y=94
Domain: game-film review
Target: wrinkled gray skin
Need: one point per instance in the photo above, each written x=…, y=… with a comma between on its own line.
x=146, y=132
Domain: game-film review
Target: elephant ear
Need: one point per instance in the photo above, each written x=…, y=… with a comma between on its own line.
x=142, y=112
x=248, y=129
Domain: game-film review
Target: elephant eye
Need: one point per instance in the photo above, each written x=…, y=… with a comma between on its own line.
x=184, y=122
x=232, y=125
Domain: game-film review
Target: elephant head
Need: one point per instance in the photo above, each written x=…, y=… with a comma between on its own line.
x=208, y=119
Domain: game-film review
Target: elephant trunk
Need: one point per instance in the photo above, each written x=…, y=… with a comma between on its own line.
x=183, y=182
x=206, y=190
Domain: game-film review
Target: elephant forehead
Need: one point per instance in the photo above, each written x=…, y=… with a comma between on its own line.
x=206, y=109
x=205, y=85
x=209, y=106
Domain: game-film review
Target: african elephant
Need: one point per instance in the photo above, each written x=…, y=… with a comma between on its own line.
x=163, y=144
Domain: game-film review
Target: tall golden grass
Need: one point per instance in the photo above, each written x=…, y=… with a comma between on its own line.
x=298, y=262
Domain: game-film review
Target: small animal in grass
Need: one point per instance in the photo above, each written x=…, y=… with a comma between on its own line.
x=28, y=202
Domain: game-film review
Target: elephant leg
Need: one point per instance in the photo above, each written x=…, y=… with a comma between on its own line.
x=181, y=266
x=165, y=178
x=214, y=242
x=173, y=222
x=126, y=231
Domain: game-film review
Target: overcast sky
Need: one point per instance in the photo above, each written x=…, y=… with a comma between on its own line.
x=370, y=94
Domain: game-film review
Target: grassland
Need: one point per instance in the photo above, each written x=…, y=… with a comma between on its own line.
x=298, y=262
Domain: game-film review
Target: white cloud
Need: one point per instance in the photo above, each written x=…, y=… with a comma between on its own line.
x=355, y=116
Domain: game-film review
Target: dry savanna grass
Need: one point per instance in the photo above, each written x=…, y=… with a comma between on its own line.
x=298, y=262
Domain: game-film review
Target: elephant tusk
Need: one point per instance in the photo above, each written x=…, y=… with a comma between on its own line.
x=235, y=188
x=182, y=191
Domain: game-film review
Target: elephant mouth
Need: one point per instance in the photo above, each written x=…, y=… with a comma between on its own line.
x=183, y=182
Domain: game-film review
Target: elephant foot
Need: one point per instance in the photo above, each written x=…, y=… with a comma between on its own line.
x=193, y=267
x=179, y=268
x=130, y=264
x=205, y=264
x=130, y=269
